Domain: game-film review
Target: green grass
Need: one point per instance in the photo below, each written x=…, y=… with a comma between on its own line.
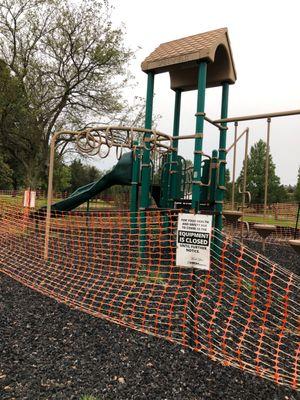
x=19, y=200
x=8, y=199
x=269, y=220
x=259, y=219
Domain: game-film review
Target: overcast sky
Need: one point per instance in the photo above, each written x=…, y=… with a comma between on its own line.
x=264, y=37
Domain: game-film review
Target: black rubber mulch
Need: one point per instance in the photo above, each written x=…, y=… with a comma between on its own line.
x=49, y=351
x=283, y=255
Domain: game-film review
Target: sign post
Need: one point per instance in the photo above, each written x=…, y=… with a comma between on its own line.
x=29, y=198
x=193, y=251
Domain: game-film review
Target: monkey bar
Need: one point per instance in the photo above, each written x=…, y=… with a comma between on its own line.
x=264, y=230
x=257, y=116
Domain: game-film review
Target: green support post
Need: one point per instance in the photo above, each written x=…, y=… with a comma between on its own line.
x=165, y=182
x=212, y=190
x=205, y=177
x=213, y=178
x=199, y=131
x=222, y=158
x=197, y=179
x=135, y=177
x=146, y=165
x=174, y=159
x=145, y=179
x=135, y=184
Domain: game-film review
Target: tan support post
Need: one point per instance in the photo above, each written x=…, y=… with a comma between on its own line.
x=244, y=181
x=50, y=193
x=234, y=165
x=267, y=168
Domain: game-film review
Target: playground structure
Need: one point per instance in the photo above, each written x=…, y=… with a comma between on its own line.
x=121, y=265
x=193, y=63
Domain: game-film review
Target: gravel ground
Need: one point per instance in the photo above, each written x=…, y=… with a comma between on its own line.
x=49, y=351
x=283, y=255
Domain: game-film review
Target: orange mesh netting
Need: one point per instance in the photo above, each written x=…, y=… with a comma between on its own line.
x=281, y=235
x=122, y=267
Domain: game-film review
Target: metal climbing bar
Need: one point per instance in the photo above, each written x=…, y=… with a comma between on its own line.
x=258, y=116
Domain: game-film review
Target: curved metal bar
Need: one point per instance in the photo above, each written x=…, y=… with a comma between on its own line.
x=247, y=229
x=89, y=141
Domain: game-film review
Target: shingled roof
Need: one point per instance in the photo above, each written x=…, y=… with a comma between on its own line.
x=180, y=58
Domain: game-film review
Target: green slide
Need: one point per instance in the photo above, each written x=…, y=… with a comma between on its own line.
x=120, y=175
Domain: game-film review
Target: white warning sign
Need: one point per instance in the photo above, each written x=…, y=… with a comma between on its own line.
x=193, y=241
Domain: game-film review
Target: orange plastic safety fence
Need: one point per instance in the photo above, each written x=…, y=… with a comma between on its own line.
x=121, y=267
x=281, y=235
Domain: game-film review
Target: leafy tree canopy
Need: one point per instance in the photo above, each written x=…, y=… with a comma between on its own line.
x=81, y=174
x=18, y=140
x=68, y=67
x=6, y=175
x=256, y=176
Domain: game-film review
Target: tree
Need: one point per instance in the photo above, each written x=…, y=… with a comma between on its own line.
x=297, y=190
x=78, y=177
x=61, y=176
x=16, y=143
x=69, y=65
x=81, y=174
x=6, y=175
x=256, y=176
